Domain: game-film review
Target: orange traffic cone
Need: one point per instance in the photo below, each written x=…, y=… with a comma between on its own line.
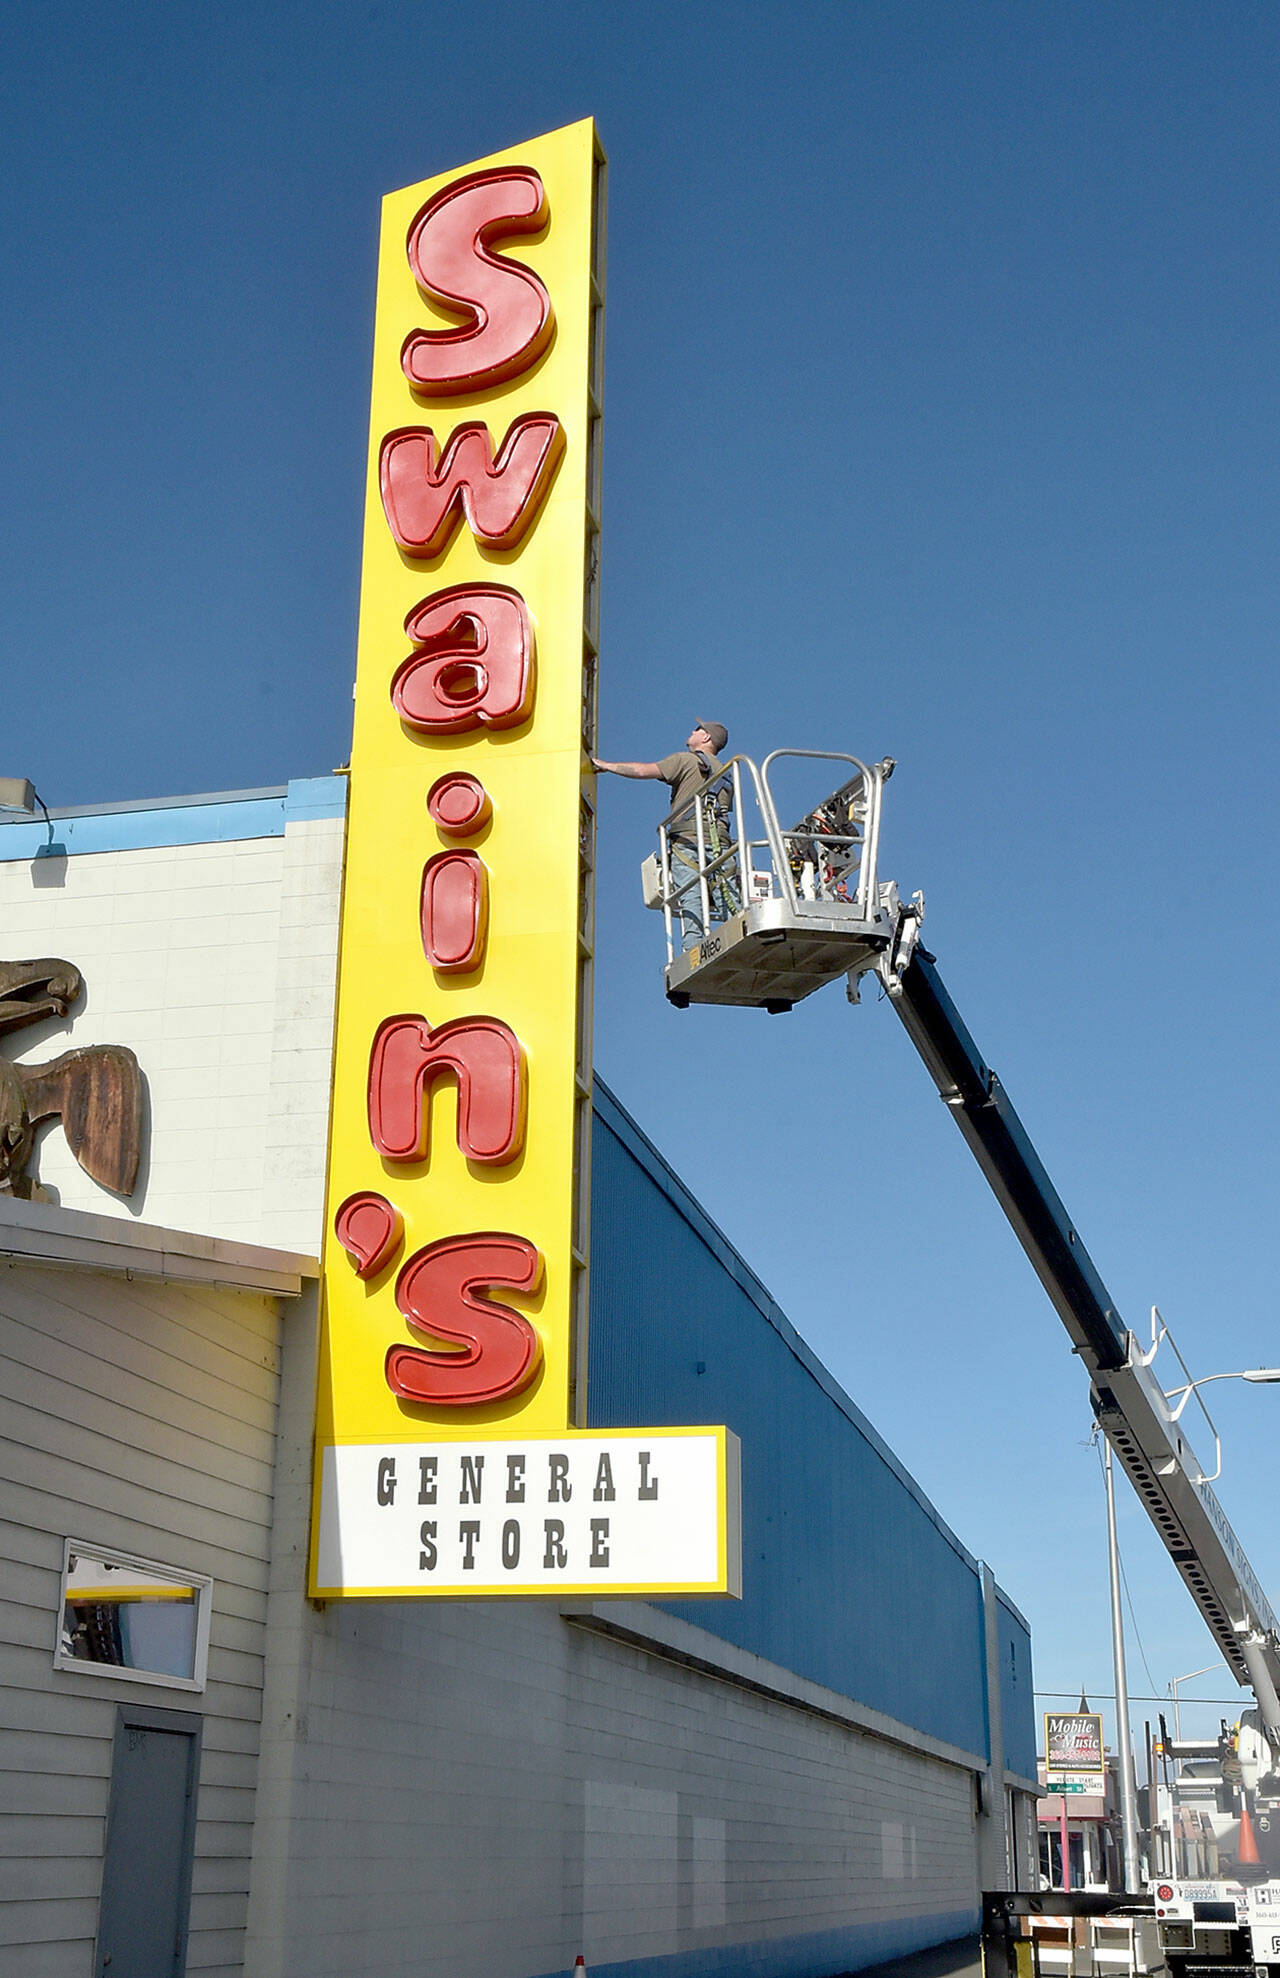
x=1247, y=1854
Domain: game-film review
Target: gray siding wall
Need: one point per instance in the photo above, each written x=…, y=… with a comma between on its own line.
x=137, y=1416
x=471, y=1790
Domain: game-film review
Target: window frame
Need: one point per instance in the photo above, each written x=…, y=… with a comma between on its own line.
x=111, y=1555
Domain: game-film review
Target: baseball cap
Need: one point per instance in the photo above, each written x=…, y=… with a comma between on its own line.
x=717, y=734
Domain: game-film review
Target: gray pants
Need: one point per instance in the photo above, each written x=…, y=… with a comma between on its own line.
x=684, y=872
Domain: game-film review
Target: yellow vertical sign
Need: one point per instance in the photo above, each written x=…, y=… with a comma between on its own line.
x=450, y=1451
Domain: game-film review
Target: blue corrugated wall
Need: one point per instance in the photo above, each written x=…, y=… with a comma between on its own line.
x=850, y=1578
x=1016, y=1700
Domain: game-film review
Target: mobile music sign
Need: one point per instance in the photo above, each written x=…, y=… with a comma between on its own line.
x=1074, y=1756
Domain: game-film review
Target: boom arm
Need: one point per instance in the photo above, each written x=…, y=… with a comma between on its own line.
x=775, y=913
x=1127, y=1399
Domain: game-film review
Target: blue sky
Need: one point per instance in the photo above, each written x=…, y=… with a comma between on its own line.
x=941, y=402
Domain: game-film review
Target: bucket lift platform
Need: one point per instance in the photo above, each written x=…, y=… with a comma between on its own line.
x=772, y=912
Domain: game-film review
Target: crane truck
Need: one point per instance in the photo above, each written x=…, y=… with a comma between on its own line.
x=759, y=914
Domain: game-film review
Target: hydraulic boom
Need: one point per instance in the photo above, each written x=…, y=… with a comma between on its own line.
x=1127, y=1399
x=761, y=914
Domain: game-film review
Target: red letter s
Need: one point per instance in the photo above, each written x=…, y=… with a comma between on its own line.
x=508, y=321
x=439, y=1293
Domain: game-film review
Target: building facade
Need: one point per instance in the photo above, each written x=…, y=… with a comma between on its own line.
x=816, y=1777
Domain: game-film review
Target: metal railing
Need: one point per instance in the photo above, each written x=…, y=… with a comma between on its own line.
x=1143, y=1357
x=816, y=843
x=827, y=859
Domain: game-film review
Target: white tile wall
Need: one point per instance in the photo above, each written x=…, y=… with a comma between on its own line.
x=489, y=1792
x=710, y=1880
x=215, y=964
x=630, y=1870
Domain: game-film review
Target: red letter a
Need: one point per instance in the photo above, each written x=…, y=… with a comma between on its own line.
x=474, y=667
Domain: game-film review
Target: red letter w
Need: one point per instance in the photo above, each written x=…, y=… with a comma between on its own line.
x=424, y=494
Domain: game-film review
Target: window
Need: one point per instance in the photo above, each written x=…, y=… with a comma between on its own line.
x=127, y=1617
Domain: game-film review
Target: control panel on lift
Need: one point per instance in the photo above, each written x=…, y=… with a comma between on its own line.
x=760, y=913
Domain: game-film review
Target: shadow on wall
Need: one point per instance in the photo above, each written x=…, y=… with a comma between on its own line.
x=49, y=866
x=961, y=1958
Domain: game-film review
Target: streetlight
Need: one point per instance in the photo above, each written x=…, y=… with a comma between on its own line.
x=18, y=793
x=1186, y=1392
x=1176, y=1757
x=1124, y=1737
x=1190, y=1675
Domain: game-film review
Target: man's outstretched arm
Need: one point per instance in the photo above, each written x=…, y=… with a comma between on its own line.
x=649, y=771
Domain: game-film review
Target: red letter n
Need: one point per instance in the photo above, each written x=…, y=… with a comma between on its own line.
x=485, y=1057
x=425, y=493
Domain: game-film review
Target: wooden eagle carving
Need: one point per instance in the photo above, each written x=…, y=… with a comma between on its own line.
x=96, y=1092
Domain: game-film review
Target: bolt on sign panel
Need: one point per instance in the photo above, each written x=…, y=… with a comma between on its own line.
x=451, y=1452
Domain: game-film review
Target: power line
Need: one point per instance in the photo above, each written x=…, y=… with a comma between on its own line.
x=1108, y=1696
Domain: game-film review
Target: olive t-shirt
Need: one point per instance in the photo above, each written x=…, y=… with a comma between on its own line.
x=684, y=772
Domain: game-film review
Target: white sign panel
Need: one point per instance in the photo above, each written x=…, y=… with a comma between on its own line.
x=635, y=1511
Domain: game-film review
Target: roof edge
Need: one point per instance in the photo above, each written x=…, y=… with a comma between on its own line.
x=147, y=825
x=43, y=1233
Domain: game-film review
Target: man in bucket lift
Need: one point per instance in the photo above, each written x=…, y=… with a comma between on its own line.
x=685, y=773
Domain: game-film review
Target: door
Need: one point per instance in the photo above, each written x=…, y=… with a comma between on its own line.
x=146, y=1869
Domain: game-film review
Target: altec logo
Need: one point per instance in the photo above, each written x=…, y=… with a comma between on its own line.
x=452, y=1455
